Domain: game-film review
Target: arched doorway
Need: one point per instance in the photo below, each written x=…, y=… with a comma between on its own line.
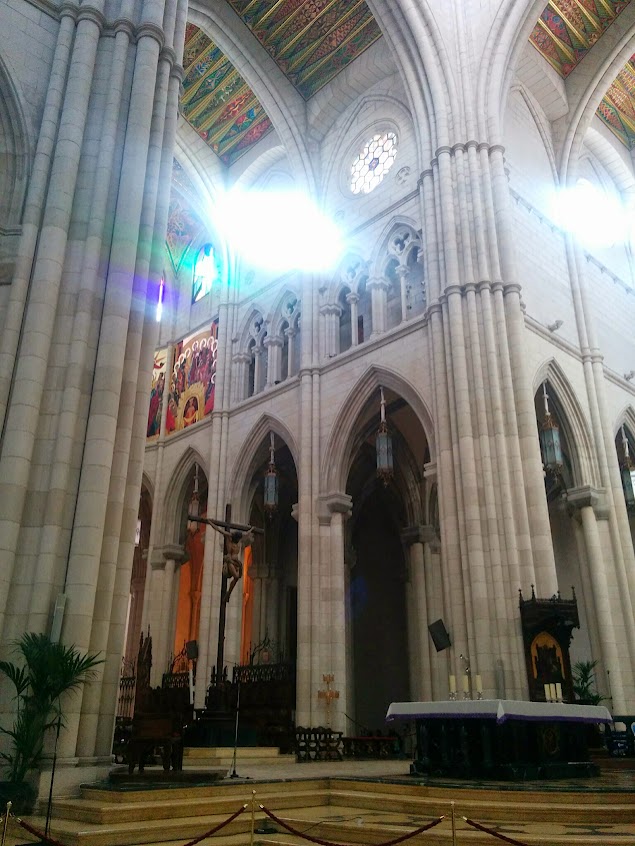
x=382, y=630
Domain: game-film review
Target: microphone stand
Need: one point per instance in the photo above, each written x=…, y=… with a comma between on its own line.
x=233, y=773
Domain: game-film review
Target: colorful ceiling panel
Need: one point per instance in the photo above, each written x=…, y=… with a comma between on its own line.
x=617, y=109
x=311, y=41
x=566, y=31
x=217, y=102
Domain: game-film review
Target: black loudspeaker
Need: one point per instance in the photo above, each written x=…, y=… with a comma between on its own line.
x=191, y=650
x=439, y=635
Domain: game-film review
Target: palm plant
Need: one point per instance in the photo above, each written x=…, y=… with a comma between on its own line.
x=584, y=683
x=47, y=671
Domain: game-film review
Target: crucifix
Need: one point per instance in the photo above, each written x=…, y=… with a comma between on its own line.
x=329, y=695
x=236, y=537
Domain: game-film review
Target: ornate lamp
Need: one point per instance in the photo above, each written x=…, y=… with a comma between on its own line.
x=627, y=470
x=192, y=509
x=271, y=480
x=383, y=445
x=550, y=439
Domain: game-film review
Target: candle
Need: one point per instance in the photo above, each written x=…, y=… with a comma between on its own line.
x=547, y=693
x=466, y=683
x=479, y=684
x=559, y=692
x=452, y=684
x=552, y=692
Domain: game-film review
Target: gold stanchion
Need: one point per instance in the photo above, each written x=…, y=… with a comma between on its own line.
x=6, y=823
x=453, y=826
x=253, y=817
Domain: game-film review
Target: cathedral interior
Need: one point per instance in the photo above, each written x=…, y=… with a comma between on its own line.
x=360, y=275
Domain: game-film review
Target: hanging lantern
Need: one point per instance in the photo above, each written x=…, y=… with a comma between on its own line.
x=550, y=439
x=271, y=481
x=192, y=509
x=627, y=470
x=383, y=445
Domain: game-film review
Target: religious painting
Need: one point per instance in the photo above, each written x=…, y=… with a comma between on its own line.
x=155, y=409
x=546, y=657
x=193, y=378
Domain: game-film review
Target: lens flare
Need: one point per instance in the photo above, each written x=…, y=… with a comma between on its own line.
x=593, y=216
x=278, y=231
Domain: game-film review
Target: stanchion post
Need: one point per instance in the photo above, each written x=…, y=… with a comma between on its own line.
x=453, y=825
x=253, y=817
x=6, y=823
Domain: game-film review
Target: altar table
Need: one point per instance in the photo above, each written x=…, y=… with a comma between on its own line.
x=501, y=738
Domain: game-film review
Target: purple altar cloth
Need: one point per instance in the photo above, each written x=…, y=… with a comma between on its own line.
x=500, y=710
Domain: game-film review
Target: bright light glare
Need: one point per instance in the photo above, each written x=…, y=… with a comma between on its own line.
x=279, y=231
x=594, y=217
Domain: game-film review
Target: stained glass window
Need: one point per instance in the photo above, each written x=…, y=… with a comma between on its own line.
x=373, y=162
x=205, y=273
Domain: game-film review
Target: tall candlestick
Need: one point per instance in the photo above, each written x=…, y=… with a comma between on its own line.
x=558, y=691
x=552, y=692
x=547, y=693
x=479, y=684
x=466, y=683
x=452, y=684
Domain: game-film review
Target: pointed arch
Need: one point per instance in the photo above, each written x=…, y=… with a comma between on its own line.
x=246, y=333
x=148, y=484
x=247, y=462
x=175, y=494
x=382, y=248
x=338, y=452
x=583, y=458
x=277, y=316
x=542, y=126
x=14, y=150
x=625, y=418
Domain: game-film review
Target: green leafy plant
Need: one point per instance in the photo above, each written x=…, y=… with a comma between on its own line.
x=584, y=683
x=46, y=672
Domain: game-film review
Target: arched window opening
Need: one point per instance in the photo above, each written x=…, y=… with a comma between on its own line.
x=393, y=295
x=205, y=272
x=625, y=447
x=251, y=369
x=284, y=353
x=364, y=313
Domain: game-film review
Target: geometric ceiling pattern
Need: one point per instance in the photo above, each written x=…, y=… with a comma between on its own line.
x=566, y=31
x=311, y=41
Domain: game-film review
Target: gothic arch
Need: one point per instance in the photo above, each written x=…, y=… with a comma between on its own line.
x=14, y=151
x=148, y=484
x=277, y=315
x=542, y=126
x=174, y=494
x=339, y=448
x=382, y=250
x=350, y=272
x=247, y=333
x=625, y=418
x=246, y=463
x=585, y=468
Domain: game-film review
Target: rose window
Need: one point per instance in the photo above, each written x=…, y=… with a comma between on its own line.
x=373, y=162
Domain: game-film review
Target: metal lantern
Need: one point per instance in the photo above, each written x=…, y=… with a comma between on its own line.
x=383, y=445
x=192, y=509
x=271, y=481
x=550, y=438
x=627, y=471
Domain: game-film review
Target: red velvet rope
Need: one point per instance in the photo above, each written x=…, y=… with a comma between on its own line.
x=298, y=833
x=217, y=828
x=494, y=833
x=209, y=833
x=37, y=833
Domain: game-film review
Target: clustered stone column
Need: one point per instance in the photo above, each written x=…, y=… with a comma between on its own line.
x=79, y=339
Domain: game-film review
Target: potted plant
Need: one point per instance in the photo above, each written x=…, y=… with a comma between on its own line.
x=47, y=671
x=584, y=683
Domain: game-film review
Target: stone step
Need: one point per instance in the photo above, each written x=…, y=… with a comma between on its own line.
x=223, y=756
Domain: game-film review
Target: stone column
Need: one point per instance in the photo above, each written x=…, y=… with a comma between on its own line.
x=162, y=639
x=333, y=511
x=378, y=288
x=273, y=345
x=241, y=362
x=589, y=504
x=413, y=538
x=353, y=299
x=291, y=334
x=258, y=356
x=403, y=272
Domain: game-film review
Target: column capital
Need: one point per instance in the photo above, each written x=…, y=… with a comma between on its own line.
x=353, y=297
x=418, y=533
x=174, y=552
x=377, y=283
x=587, y=496
x=333, y=503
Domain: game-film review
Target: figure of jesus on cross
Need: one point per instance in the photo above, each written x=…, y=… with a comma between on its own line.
x=236, y=539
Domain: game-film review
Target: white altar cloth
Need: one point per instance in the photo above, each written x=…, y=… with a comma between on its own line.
x=500, y=710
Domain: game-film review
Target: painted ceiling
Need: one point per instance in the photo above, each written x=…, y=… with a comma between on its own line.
x=566, y=31
x=311, y=41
